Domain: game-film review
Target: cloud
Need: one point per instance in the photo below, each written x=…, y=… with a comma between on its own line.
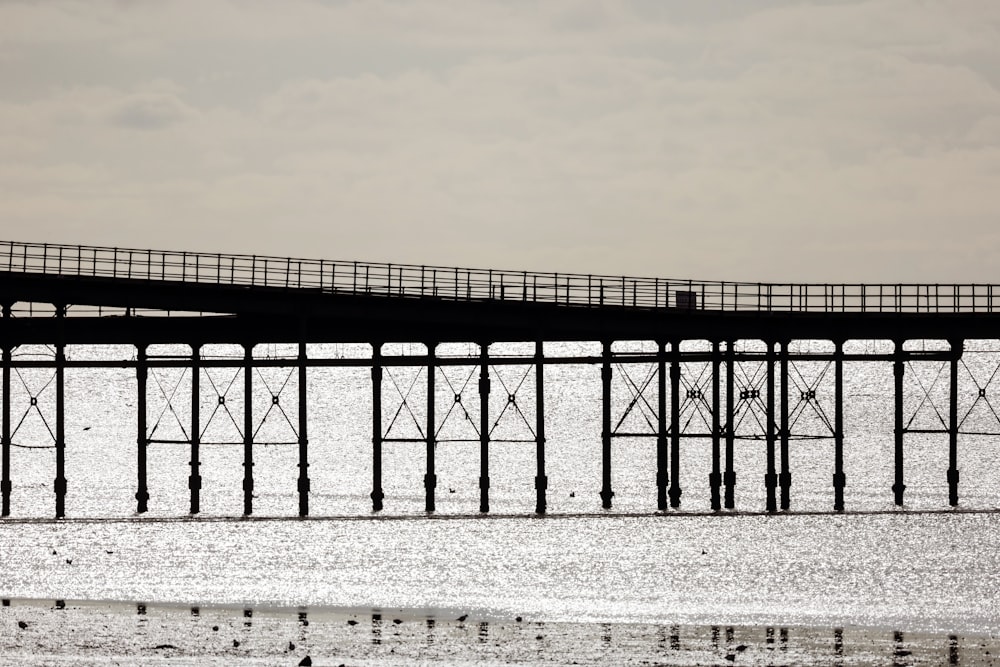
x=148, y=111
x=783, y=140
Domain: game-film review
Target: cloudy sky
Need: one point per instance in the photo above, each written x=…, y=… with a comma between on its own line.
x=785, y=140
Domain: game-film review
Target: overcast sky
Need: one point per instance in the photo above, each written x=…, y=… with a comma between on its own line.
x=772, y=140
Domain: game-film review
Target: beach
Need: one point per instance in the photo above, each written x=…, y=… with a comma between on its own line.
x=97, y=633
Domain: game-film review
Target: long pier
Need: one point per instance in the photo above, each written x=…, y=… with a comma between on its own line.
x=61, y=295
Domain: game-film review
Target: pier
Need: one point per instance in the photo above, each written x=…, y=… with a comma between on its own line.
x=61, y=295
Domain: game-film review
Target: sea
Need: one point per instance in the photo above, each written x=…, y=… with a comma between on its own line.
x=924, y=567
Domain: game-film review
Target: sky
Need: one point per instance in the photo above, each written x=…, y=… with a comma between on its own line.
x=771, y=140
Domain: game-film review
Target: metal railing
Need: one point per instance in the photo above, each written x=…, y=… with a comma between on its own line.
x=452, y=283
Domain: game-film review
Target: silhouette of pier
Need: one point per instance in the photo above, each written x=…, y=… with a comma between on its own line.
x=59, y=295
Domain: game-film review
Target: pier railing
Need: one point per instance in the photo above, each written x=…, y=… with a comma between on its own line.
x=464, y=284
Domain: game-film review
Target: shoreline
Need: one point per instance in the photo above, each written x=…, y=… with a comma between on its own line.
x=83, y=632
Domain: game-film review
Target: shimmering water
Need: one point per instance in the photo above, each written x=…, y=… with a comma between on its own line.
x=924, y=568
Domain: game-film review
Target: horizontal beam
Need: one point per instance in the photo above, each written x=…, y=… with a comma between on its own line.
x=421, y=360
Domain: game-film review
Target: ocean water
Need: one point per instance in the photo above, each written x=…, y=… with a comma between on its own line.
x=925, y=567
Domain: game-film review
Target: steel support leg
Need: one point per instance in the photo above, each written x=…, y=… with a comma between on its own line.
x=956, y=350
x=715, y=477
x=662, y=474
x=60, y=481
x=675, y=424
x=898, y=370
x=248, y=429
x=541, y=481
x=770, y=478
x=142, y=439
x=484, y=427
x=730, y=477
x=839, y=479
x=303, y=483
x=194, y=482
x=785, y=479
x=5, y=484
x=377, y=495
x=606, y=493
x=430, y=479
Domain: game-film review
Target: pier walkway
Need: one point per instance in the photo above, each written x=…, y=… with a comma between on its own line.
x=61, y=295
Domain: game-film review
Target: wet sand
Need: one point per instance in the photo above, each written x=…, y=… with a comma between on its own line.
x=46, y=632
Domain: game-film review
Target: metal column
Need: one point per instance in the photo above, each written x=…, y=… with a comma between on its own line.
x=541, y=481
x=484, y=427
x=194, y=482
x=770, y=478
x=730, y=476
x=675, y=424
x=142, y=440
x=715, y=477
x=606, y=493
x=303, y=484
x=898, y=370
x=5, y=484
x=785, y=478
x=248, y=428
x=60, y=481
x=430, y=479
x=956, y=351
x=377, y=495
x=662, y=474
x=839, y=479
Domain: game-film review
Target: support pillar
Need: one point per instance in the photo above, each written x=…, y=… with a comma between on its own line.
x=303, y=483
x=662, y=475
x=770, y=478
x=606, y=493
x=60, y=481
x=484, y=427
x=541, y=481
x=377, y=495
x=956, y=355
x=142, y=439
x=730, y=477
x=898, y=370
x=715, y=477
x=5, y=484
x=675, y=426
x=247, y=429
x=430, y=479
x=194, y=481
x=785, y=479
x=839, y=479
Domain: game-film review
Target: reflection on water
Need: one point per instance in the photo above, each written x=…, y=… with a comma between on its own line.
x=210, y=631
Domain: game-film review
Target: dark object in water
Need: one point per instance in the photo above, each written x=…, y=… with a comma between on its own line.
x=163, y=646
x=306, y=662
x=22, y=625
x=461, y=619
x=396, y=621
x=291, y=646
x=518, y=619
x=352, y=622
x=236, y=643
